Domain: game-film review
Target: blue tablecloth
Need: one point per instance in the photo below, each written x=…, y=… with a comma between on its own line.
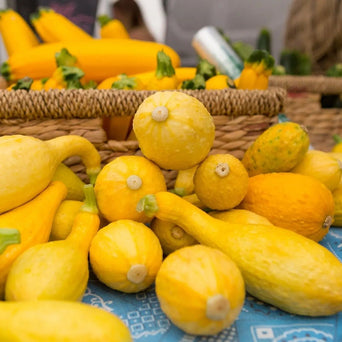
x=257, y=322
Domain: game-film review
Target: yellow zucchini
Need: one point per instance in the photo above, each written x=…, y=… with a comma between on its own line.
x=98, y=58
x=112, y=28
x=34, y=222
x=16, y=33
x=279, y=266
x=55, y=27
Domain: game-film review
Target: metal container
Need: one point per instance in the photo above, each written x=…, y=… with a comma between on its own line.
x=210, y=45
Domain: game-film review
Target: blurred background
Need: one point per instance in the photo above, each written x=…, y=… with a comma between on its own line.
x=310, y=27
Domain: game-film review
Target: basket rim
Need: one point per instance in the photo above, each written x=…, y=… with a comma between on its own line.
x=93, y=103
x=308, y=83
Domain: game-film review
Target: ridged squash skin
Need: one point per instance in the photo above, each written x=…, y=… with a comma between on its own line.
x=200, y=289
x=279, y=266
x=278, y=149
x=59, y=321
x=126, y=256
x=174, y=129
x=322, y=166
x=293, y=201
x=27, y=164
x=122, y=182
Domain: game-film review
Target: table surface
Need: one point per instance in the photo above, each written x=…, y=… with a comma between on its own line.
x=257, y=322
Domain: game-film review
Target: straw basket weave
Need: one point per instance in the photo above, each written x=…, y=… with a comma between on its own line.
x=303, y=105
x=239, y=116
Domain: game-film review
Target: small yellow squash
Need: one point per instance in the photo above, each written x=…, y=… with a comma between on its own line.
x=174, y=129
x=59, y=321
x=200, y=289
x=221, y=181
x=171, y=236
x=126, y=256
x=122, y=182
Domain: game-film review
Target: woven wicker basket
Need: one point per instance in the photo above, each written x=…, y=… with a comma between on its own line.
x=303, y=105
x=239, y=116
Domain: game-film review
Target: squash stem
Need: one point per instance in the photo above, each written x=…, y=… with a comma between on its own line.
x=148, y=205
x=337, y=138
x=8, y=236
x=89, y=204
x=164, y=66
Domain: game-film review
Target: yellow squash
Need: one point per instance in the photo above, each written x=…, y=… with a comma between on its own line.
x=174, y=129
x=126, y=256
x=55, y=27
x=184, y=184
x=337, y=195
x=171, y=236
x=217, y=82
x=297, y=202
x=164, y=77
x=322, y=166
x=56, y=270
x=28, y=164
x=257, y=69
x=98, y=58
x=279, y=266
x=16, y=34
x=73, y=183
x=221, y=181
x=200, y=289
x=280, y=148
x=59, y=321
x=241, y=216
x=122, y=182
x=64, y=219
x=34, y=221
x=111, y=28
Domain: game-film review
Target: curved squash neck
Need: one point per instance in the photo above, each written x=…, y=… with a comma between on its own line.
x=69, y=145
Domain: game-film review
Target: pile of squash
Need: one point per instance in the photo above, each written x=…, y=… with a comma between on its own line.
x=228, y=227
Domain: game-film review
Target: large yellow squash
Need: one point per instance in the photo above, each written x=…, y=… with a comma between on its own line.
x=279, y=266
x=297, y=202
